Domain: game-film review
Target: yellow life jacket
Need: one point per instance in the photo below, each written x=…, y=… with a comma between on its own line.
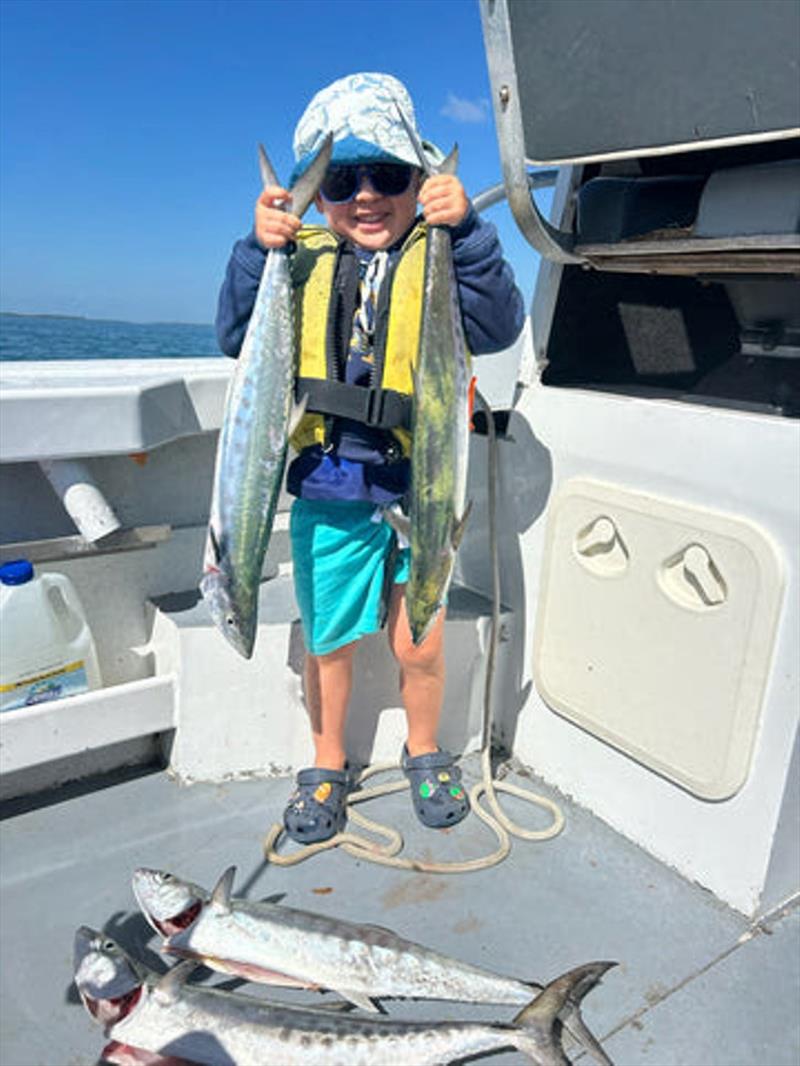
x=387, y=404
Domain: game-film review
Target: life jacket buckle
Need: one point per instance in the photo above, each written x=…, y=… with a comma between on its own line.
x=374, y=407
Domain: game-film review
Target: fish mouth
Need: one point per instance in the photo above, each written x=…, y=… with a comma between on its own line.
x=110, y=1011
x=240, y=632
x=168, y=927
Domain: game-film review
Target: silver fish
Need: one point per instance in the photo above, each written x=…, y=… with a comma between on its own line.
x=216, y=1028
x=253, y=441
x=272, y=944
x=440, y=426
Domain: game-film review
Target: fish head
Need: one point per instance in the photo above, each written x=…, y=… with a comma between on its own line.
x=108, y=981
x=235, y=620
x=169, y=903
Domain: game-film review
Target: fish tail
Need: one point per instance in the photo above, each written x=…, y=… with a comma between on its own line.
x=268, y=175
x=539, y=1025
x=450, y=164
x=305, y=188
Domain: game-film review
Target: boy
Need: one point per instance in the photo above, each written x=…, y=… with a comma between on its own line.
x=358, y=285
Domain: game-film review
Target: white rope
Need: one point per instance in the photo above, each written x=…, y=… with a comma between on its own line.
x=501, y=825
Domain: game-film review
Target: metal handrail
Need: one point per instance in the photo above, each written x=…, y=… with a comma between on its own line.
x=540, y=179
x=549, y=241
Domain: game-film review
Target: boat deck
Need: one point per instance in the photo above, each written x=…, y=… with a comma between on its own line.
x=697, y=984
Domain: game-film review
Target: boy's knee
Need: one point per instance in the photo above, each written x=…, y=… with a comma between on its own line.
x=427, y=657
x=337, y=655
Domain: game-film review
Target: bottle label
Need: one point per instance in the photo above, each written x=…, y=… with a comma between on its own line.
x=69, y=680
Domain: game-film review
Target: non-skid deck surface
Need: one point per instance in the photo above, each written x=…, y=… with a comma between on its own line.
x=697, y=985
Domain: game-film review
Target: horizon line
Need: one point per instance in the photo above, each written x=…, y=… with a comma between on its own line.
x=93, y=318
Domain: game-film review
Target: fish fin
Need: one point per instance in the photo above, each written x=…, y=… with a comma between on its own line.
x=420, y=637
x=537, y=1021
x=380, y=928
x=459, y=525
x=214, y=542
x=297, y=412
x=416, y=143
x=572, y=1020
x=268, y=175
x=221, y=896
x=169, y=985
x=275, y=898
x=401, y=524
x=450, y=164
x=415, y=380
x=360, y=1000
x=342, y=1005
x=305, y=188
x=447, y=166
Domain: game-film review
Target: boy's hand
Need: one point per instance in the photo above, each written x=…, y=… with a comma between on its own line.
x=273, y=227
x=443, y=200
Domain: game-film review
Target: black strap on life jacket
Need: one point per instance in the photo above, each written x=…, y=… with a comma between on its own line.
x=376, y=407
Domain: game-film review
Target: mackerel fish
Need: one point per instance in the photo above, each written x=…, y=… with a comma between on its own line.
x=273, y=944
x=440, y=427
x=211, y=1027
x=253, y=441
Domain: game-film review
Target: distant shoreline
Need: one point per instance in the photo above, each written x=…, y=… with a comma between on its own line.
x=38, y=314
x=87, y=318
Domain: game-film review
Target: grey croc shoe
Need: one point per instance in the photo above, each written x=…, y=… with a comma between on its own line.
x=436, y=791
x=316, y=809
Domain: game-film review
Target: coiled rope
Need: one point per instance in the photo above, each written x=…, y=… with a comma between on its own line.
x=502, y=826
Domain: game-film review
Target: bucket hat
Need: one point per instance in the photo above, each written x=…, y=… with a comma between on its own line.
x=361, y=112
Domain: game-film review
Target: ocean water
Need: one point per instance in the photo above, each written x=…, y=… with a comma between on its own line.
x=25, y=337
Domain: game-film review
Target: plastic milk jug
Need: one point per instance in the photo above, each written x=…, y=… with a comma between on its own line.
x=46, y=649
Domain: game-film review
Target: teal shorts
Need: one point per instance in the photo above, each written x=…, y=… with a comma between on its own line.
x=340, y=549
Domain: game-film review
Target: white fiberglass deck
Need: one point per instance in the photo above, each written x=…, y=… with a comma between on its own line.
x=697, y=985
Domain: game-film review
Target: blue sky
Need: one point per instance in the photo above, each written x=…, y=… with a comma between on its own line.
x=129, y=129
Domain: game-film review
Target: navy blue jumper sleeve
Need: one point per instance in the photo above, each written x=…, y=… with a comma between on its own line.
x=491, y=304
x=238, y=293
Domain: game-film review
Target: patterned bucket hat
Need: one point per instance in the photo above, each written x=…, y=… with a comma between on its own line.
x=361, y=111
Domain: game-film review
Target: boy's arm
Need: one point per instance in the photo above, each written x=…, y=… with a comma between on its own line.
x=491, y=304
x=238, y=293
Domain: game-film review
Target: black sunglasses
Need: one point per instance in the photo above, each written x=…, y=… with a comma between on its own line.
x=341, y=183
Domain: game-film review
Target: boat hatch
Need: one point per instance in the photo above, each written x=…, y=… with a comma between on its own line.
x=655, y=630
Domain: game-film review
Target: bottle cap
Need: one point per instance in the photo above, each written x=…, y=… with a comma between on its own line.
x=17, y=572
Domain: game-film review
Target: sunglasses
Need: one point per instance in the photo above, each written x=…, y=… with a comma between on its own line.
x=341, y=184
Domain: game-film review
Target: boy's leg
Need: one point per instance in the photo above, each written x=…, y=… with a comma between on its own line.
x=437, y=794
x=328, y=682
x=421, y=674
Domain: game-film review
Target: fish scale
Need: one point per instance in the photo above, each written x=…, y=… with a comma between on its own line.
x=440, y=427
x=359, y=961
x=353, y=959
x=213, y=1027
x=204, y=1025
x=253, y=441
x=440, y=442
